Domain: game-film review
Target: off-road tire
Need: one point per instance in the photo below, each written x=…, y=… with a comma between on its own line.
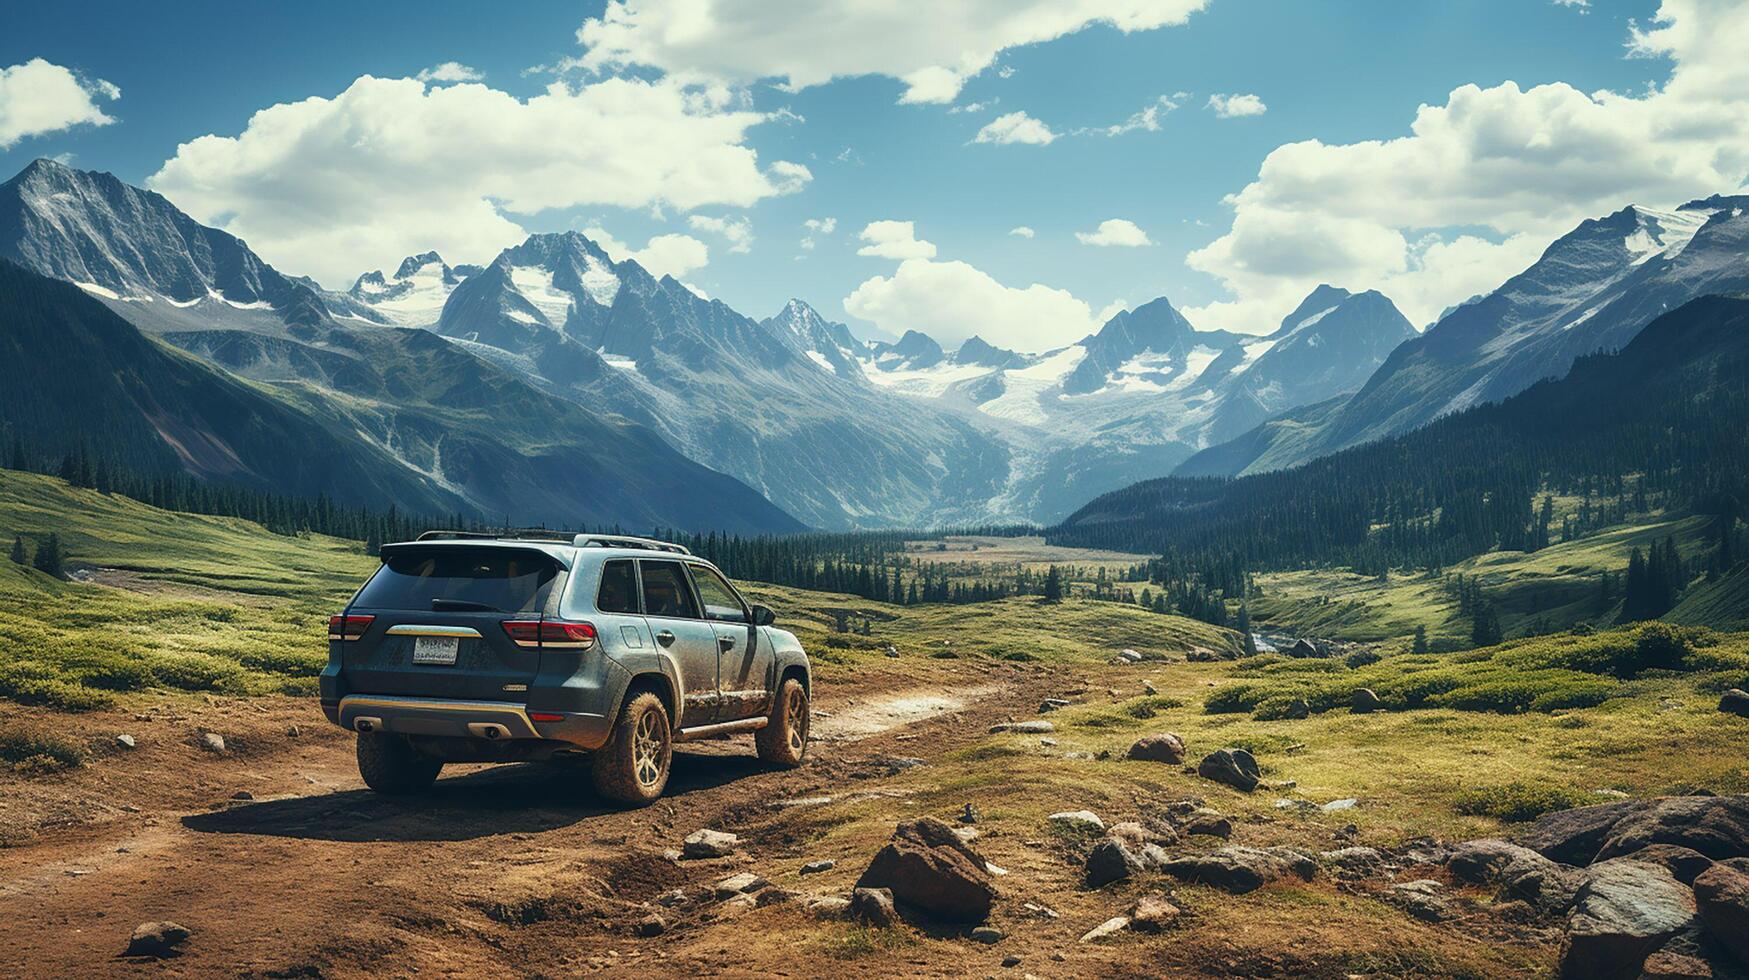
x=623, y=769
x=784, y=739
x=392, y=766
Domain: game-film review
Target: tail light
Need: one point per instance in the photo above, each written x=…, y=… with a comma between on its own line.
x=348, y=627
x=549, y=634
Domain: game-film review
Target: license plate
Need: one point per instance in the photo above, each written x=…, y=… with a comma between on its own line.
x=435, y=649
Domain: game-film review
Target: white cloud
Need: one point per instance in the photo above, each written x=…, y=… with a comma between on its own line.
x=1493, y=174
x=894, y=240
x=951, y=301
x=1015, y=127
x=734, y=229
x=38, y=97
x=664, y=255
x=1021, y=231
x=450, y=71
x=817, y=228
x=1583, y=6
x=389, y=167
x=932, y=51
x=1147, y=120
x=1114, y=232
x=1232, y=106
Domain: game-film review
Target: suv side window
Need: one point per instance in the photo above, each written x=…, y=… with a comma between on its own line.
x=619, y=587
x=720, y=601
x=666, y=590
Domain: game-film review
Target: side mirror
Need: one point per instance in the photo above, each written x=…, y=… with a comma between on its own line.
x=763, y=616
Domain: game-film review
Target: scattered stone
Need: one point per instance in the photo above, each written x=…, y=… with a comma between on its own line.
x=1149, y=688
x=1041, y=911
x=873, y=906
x=1136, y=836
x=1717, y=826
x=1077, y=819
x=1364, y=702
x=242, y=795
x=1011, y=960
x=892, y=651
x=799, y=801
x=1335, y=806
x=1047, y=742
x=773, y=896
x=1241, y=869
x=928, y=867
x=988, y=935
x=739, y=884
x=1667, y=964
x=1485, y=861
x=671, y=899
x=213, y=742
x=827, y=907
x=1152, y=914
x=708, y=844
x=1024, y=727
x=1110, y=860
x=1735, y=702
x=1423, y=898
x=1623, y=912
x=817, y=867
x=1235, y=767
x=1354, y=862
x=651, y=925
x=1109, y=927
x=125, y=741
x=1210, y=823
x=1298, y=709
x=157, y=939
x=1424, y=850
x=1167, y=747
x=1298, y=806
x=1131, y=656
x=1051, y=704
x=1722, y=893
x=1304, y=648
x=293, y=731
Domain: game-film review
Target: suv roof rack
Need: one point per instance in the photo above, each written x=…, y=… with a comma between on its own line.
x=624, y=541
x=514, y=534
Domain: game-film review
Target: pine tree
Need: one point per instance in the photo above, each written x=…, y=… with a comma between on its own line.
x=49, y=559
x=1053, y=585
x=1244, y=627
x=1485, y=631
x=1420, y=645
x=18, y=555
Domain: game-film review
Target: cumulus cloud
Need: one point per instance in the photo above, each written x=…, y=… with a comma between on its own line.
x=734, y=229
x=803, y=43
x=663, y=255
x=1148, y=119
x=1583, y=6
x=1232, y=106
x=450, y=71
x=39, y=97
x=1114, y=232
x=1480, y=184
x=1021, y=231
x=894, y=240
x=389, y=167
x=951, y=301
x=817, y=228
x=1015, y=127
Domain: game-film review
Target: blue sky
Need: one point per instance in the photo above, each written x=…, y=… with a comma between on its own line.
x=1341, y=74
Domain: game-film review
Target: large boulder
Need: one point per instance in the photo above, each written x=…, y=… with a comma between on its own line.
x=1111, y=860
x=1364, y=702
x=1735, y=702
x=1235, y=767
x=1575, y=836
x=708, y=843
x=1722, y=894
x=1484, y=861
x=1685, y=863
x=873, y=906
x=1304, y=648
x=157, y=940
x=1623, y=911
x=1241, y=869
x=928, y=867
x=1167, y=747
x=1520, y=873
x=1717, y=826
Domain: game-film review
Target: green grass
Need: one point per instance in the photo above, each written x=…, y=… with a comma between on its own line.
x=35, y=752
x=1517, y=802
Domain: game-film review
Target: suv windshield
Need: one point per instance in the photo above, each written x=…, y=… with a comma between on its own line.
x=466, y=579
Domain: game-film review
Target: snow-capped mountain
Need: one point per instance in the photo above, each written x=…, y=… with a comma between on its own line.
x=1592, y=289
x=414, y=296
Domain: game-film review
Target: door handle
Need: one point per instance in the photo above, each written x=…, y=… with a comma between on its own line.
x=665, y=638
x=725, y=643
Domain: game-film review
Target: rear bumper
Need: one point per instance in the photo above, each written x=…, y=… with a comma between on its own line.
x=486, y=721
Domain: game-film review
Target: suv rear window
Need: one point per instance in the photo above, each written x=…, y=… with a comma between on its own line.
x=505, y=579
x=619, y=587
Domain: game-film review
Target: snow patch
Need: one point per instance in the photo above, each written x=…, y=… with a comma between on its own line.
x=1024, y=386
x=599, y=281
x=536, y=285
x=618, y=361
x=214, y=294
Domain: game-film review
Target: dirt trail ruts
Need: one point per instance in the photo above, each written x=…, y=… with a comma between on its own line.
x=316, y=876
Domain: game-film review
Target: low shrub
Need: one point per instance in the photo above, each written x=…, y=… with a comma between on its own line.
x=37, y=752
x=1517, y=802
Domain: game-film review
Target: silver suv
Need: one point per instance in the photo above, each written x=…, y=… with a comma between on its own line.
x=475, y=648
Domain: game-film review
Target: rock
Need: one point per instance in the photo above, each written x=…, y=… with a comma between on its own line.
x=1110, y=860
x=816, y=867
x=1111, y=926
x=157, y=939
x=1024, y=727
x=1669, y=965
x=1207, y=822
x=1149, y=688
x=1167, y=747
x=969, y=814
x=873, y=906
x=1131, y=656
x=1298, y=806
x=242, y=795
x=1722, y=893
x=708, y=844
x=213, y=742
x=1235, y=767
x=892, y=651
x=651, y=925
x=1575, y=836
x=1365, y=702
x=988, y=935
x=1241, y=869
x=827, y=907
x=1717, y=826
x=1051, y=704
x=1152, y=914
x=1684, y=863
x=125, y=741
x=671, y=899
x=1520, y=872
x=1011, y=960
x=1623, y=912
x=928, y=867
x=1136, y=836
x=773, y=896
x=1424, y=850
x=1484, y=861
x=1735, y=702
x=1304, y=648
x=293, y=731
x=739, y=884
x=1298, y=709
x=1335, y=806
x=1077, y=819
x=1423, y=898
x=1354, y=862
